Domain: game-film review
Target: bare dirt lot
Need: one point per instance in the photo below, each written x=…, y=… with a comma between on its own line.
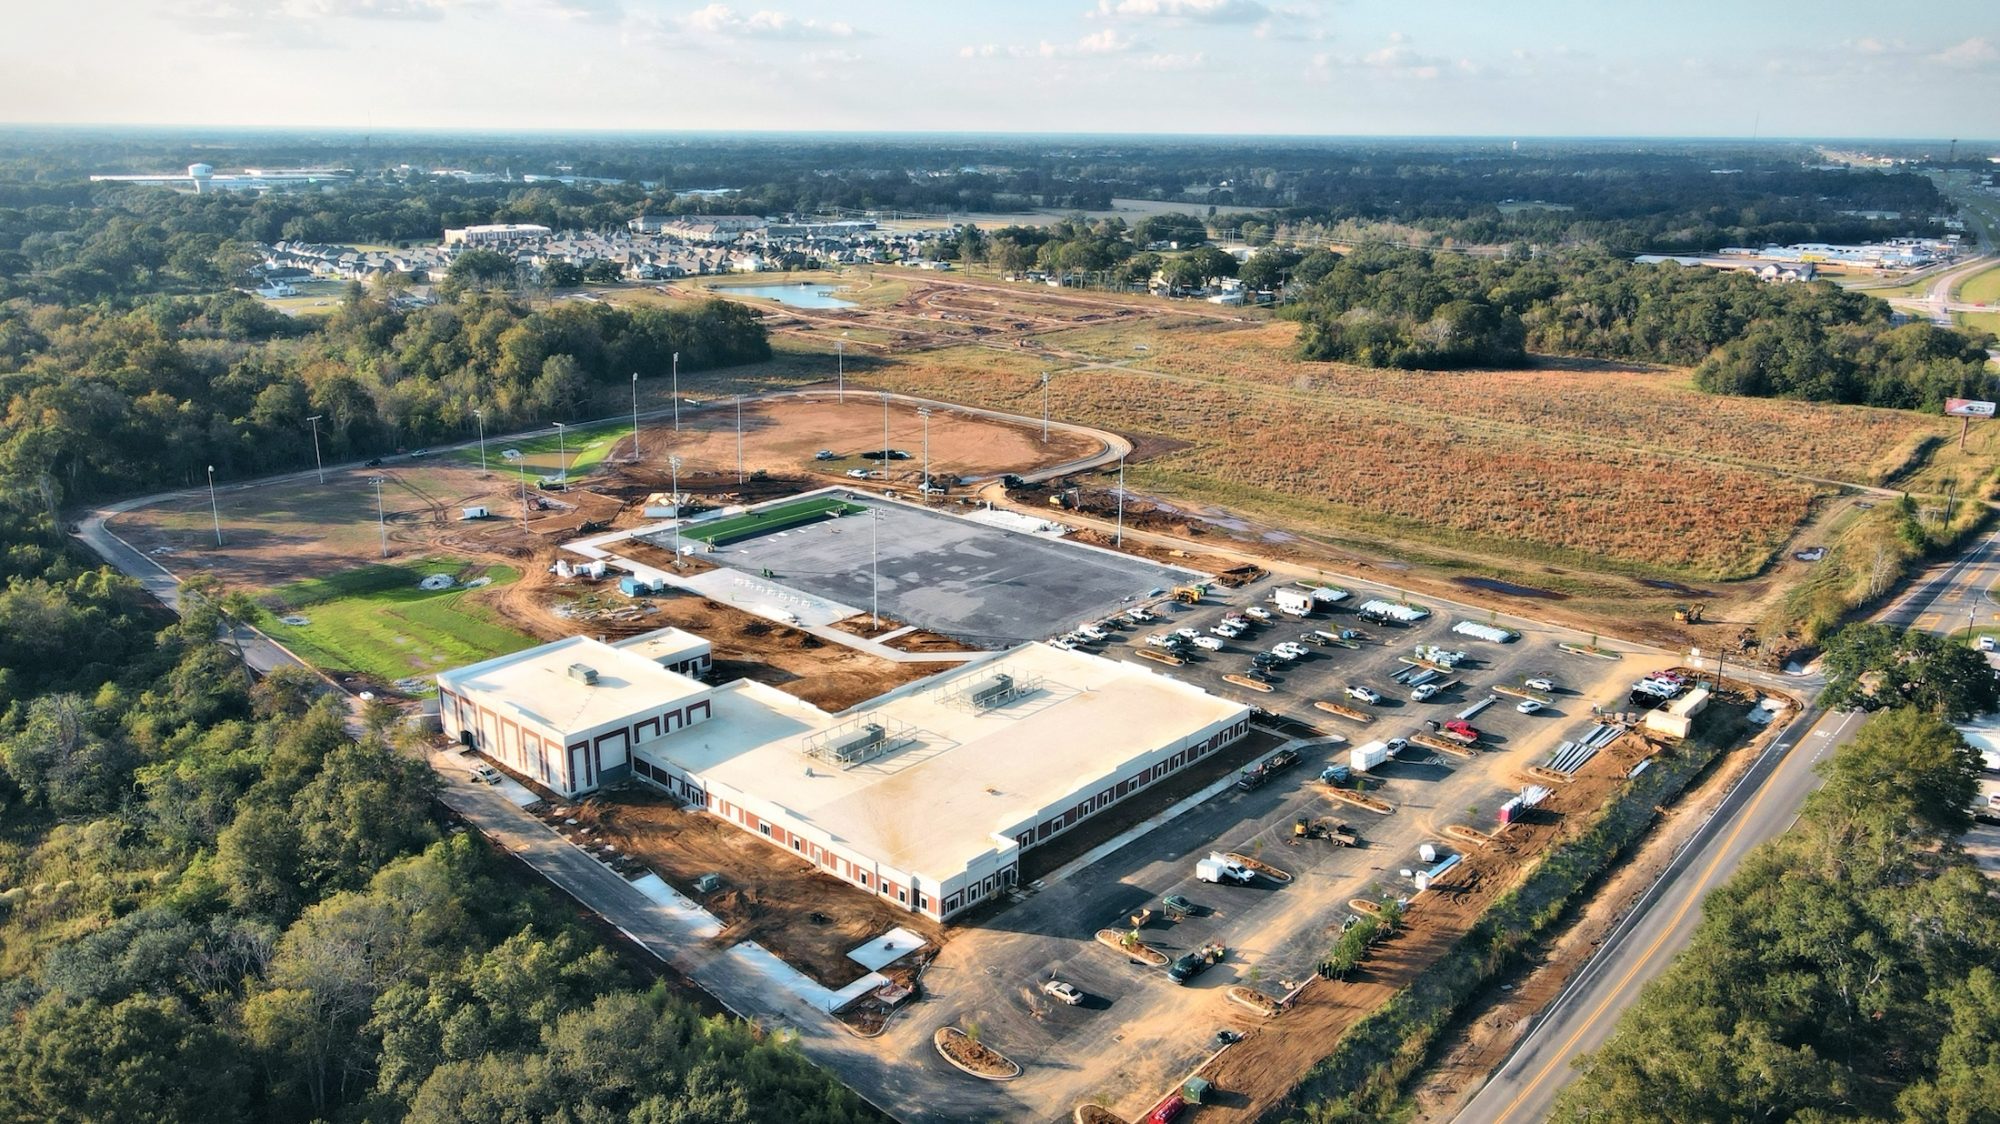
x=768, y=896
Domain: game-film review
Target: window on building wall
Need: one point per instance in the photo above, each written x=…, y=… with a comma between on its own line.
x=903, y=896
x=798, y=846
x=864, y=879
x=765, y=828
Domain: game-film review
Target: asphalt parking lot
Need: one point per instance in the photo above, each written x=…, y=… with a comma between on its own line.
x=976, y=583
x=1136, y=1027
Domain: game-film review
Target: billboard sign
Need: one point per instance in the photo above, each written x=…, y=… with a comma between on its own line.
x=1967, y=408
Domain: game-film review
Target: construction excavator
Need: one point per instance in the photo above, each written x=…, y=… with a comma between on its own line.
x=1689, y=613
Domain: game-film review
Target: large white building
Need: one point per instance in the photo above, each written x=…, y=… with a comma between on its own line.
x=926, y=796
x=494, y=234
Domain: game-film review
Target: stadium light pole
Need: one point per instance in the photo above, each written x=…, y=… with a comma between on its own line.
x=214, y=511
x=739, y=437
x=1045, y=407
x=677, y=392
x=924, y=491
x=674, y=466
x=319, y=466
x=562, y=455
x=381, y=518
x=840, y=369
x=1120, y=540
x=875, y=566
x=635, y=417
x=521, y=469
x=885, y=436
x=480, y=415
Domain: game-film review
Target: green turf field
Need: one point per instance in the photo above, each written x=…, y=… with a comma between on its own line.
x=376, y=621
x=783, y=517
x=584, y=446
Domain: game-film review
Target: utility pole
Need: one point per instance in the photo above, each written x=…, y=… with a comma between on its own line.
x=674, y=466
x=480, y=415
x=1120, y=540
x=739, y=437
x=677, y=392
x=562, y=455
x=214, y=511
x=381, y=518
x=522, y=471
x=924, y=412
x=319, y=466
x=885, y=436
x=1045, y=407
x=875, y=567
x=635, y=417
x=840, y=371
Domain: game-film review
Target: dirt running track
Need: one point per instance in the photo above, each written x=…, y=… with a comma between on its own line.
x=1260, y=1073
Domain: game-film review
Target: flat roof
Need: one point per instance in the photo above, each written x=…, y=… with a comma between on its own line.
x=934, y=804
x=663, y=644
x=537, y=684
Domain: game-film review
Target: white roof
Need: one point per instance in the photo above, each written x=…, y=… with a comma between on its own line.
x=933, y=805
x=537, y=685
x=664, y=645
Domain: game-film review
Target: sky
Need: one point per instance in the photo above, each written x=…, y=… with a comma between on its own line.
x=1789, y=68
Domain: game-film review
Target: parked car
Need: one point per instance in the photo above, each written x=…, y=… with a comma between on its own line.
x=1186, y=633
x=1259, y=612
x=1424, y=692
x=858, y=473
x=1061, y=992
x=1177, y=903
x=1396, y=745
x=1283, y=759
x=1335, y=774
x=1541, y=683
x=1162, y=640
x=1366, y=694
x=372, y=462
x=1227, y=632
x=1291, y=651
x=825, y=455
x=1138, y=614
x=1262, y=659
x=485, y=774
x=1986, y=643
x=1528, y=706
x=1208, y=643
x=1091, y=632
x=417, y=453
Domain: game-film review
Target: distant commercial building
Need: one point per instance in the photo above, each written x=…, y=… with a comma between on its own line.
x=203, y=178
x=926, y=796
x=494, y=234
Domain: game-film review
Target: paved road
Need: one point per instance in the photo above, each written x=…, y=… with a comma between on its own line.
x=1763, y=804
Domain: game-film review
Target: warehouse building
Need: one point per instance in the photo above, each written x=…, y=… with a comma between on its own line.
x=927, y=796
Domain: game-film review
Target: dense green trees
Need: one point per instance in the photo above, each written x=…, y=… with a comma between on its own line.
x=1386, y=307
x=1845, y=972
x=1878, y=667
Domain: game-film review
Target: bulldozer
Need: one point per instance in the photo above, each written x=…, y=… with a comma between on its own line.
x=1689, y=613
x=1190, y=594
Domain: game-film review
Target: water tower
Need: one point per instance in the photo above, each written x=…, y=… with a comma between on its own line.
x=200, y=174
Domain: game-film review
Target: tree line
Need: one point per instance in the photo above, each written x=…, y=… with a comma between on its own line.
x=1846, y=971
x=1388, y=307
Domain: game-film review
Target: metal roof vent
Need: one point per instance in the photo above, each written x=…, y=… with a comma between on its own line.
x=583, y=673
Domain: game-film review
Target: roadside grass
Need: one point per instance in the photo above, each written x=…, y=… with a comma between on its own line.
x=376, y=620
x=1981, y=288
x=584, y=446
x=1978, y=321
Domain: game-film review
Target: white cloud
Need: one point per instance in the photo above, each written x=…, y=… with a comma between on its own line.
x=725, y=22
x=1195, y=61
x=834, y=55
x=981, y=51
x=1106, y=42
x=1198, y=11
x=1970, y=53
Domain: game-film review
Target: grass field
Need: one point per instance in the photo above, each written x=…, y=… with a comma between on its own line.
x=1978, y=321
x=1981, y=288
x=376, y=621
x=584, y=446
x=771, y=519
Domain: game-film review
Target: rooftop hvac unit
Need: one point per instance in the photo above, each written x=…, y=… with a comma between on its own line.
x=856, y=746
x=583, y=673
x=992, y=691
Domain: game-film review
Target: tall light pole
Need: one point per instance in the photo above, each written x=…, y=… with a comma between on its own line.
x=924, y=412
x=885, y=436
x=381, y=518
x=214, y=511
x=1120, y=540
x=874, y=567
x=562, y=455
x=480, y=415
x=674, y=466
x=635, y=417
x=521, y=470
x=318, y=465
x=840, y=370
x=739, y=437
x=677, y=392
x=1045, y=407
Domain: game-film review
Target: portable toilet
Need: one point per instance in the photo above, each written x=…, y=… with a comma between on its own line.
x=1195, y=1089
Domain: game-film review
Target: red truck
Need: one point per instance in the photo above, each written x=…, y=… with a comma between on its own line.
x=1461, y=731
